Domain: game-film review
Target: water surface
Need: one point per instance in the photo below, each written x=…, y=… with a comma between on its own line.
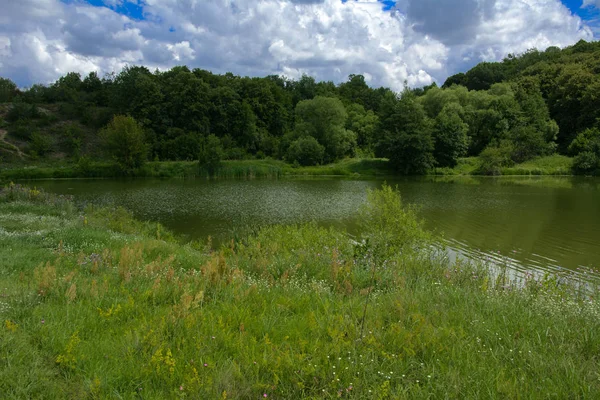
x=541, y=223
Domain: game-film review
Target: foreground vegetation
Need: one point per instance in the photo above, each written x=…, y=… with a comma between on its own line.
x=95, y=304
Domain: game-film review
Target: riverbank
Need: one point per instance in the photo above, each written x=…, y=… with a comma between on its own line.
x=190, y=169
x=95, y=304
x=552, y=165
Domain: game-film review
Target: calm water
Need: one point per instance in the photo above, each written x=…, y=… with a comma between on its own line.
x=540, y=223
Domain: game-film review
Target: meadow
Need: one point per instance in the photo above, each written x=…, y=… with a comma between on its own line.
x=95, y=304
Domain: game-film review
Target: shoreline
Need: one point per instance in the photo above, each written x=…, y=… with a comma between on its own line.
x=359, y=168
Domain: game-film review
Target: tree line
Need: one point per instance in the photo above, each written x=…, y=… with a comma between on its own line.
x=529, y=105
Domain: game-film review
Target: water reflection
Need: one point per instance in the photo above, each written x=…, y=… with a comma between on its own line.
x=543, y=223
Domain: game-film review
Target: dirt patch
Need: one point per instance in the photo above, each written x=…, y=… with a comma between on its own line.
x=9, y=147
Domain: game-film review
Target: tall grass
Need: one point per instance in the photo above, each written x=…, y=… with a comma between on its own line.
x=95, y=304
x=246, y=169
x=549, y=165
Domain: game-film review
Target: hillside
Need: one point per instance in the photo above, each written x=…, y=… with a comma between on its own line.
x=528, y=106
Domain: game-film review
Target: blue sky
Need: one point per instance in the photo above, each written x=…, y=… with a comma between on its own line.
x=425, y=41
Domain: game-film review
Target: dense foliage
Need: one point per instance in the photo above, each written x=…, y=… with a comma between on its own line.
x=529, y=105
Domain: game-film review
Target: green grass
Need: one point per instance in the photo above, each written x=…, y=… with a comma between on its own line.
x=187, y=169
x=248, y=169
x=550, y=165
x=466, y=166
x=94, y=304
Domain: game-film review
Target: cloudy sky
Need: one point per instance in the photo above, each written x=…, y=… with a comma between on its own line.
x=390, y=42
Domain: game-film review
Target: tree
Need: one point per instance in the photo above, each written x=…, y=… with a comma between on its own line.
x=66, y=88
x=123, y=140
x=484, y=75
x=137, y=92
x=210, y=155
x=588, y=140
x=528, y=143
x=458, y=79
x=306, y=151
x=324, y=118
x=8, y=90
x=363, y=123
x=406, y=138
x=450, y=136
x=586, y=149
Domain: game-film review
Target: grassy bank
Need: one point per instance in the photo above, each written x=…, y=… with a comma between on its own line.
x=188, y=169
x=550, y=165
x=95, y=304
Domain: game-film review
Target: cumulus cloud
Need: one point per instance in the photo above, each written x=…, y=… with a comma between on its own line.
x=417, y=42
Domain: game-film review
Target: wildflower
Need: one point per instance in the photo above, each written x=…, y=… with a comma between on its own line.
x=180, y=387
x=206, y=365
x=265, y=395
x=43, y=321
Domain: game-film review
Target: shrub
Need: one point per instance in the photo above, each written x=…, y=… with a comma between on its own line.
x=494, y=157
x=22, y=111
x=588, y=140
x=72, y=140
x=40, y=144
x=586, y=163
x=306, y=151
x=22, y=130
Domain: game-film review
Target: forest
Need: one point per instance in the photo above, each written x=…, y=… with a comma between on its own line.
x=529, y=105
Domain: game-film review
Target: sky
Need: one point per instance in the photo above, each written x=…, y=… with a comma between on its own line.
x=391, y=43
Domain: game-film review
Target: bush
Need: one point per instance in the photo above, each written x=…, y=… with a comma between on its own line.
x=494, y=158
x=22, y=111
x=586, y=163
x=588, y=140
x=40, y=144
x=72, y=140
x=22, y=130
x=123, y=140
x=306, y=151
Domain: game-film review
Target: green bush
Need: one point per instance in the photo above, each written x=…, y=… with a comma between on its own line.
x=22, y=111
x=586, y=163
x=306, y=151
x=40, y=144
x=22, y=130
x=588, y=140
x=494, y=158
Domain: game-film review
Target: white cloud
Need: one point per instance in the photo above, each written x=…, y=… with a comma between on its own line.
x=591, y=3
x=417, y=43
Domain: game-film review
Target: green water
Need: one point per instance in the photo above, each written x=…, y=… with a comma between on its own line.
x=533, y=223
